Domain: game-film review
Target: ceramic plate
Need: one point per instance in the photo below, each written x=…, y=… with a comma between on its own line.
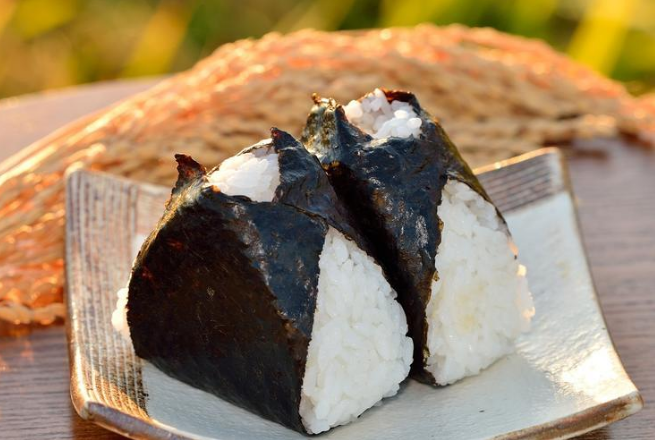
x=564, y=379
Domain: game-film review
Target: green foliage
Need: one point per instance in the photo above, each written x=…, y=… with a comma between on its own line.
x=46, y=43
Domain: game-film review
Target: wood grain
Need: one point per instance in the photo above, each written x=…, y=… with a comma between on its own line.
x=615, y=186
x=613, y=180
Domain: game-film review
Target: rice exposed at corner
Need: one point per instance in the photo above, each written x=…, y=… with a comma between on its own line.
x=480, y=302
x=379, y=118
x=359, y=353
x=254, y=174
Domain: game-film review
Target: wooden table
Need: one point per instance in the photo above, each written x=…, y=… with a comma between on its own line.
x=615, y=185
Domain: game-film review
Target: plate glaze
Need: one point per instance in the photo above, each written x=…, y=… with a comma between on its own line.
x=564, y=379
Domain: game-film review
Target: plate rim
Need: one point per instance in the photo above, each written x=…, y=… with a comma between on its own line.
x=569, y=426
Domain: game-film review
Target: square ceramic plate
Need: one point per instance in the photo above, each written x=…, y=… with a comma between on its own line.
x=564, y=379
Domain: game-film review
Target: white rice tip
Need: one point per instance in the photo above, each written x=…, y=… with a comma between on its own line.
x=359, y=352
x=377, y=117
x=481, y=302
x=119, y=315
x=255, y=175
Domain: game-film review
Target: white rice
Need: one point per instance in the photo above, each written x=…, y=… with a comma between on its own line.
x=255, y=175
x=481, y=301
x=359, y=352
x=119, y=316
x=381, y=119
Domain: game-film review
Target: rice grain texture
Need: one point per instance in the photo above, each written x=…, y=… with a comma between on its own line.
x=255, y=175
x=480, y=300
x=359, y=352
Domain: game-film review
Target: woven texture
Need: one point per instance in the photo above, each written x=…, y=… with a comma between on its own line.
x=496, y=95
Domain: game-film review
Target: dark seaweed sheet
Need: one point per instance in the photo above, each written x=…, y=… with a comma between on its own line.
x=222, y=297
x=392, y=188
x=304, y=184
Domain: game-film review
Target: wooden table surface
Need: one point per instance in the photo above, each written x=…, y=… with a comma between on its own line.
x=615, y=186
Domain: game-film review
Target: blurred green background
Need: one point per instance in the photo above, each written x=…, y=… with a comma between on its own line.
x=55, y=43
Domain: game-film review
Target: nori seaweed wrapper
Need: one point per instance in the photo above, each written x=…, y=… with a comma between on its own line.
x=304, y=184
x=223, y=294
x=392, y=188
